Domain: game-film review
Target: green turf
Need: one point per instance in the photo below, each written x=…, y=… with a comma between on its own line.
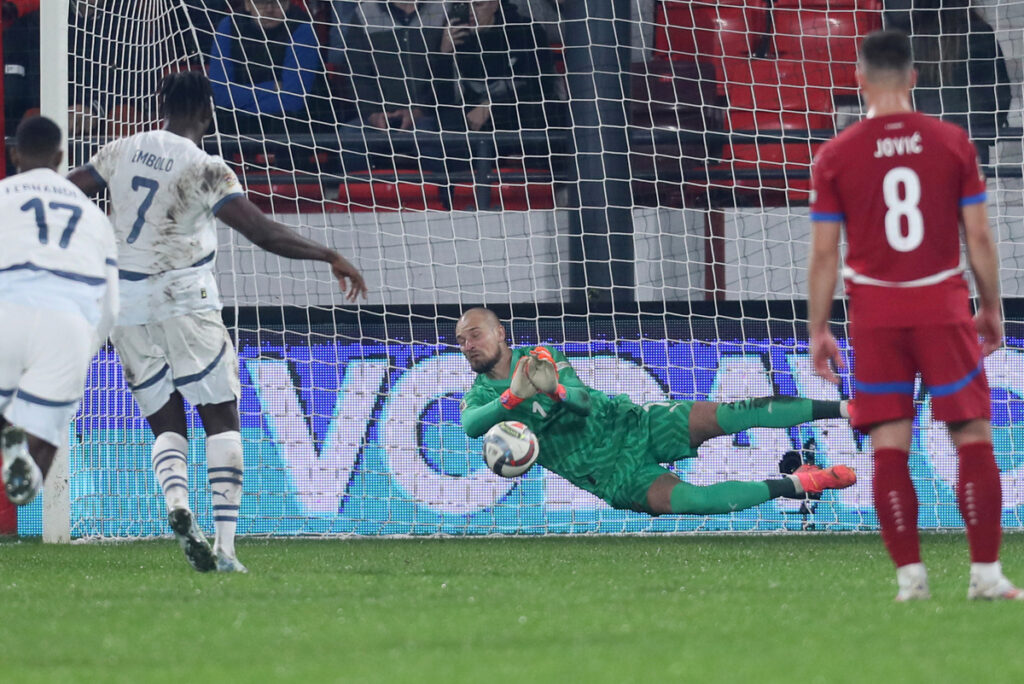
x=796, y=608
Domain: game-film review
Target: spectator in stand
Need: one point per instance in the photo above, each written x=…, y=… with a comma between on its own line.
x=498, y=67
x=542, y=11
x=21, y=65
x=12, y=10
x=386, y=49
x=91, y=99
x=962, y=74
x=344, y=14
x=265, y=64
x=205, y=16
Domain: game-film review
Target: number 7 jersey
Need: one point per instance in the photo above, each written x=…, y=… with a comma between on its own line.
x=898, y=182
x=164, y=194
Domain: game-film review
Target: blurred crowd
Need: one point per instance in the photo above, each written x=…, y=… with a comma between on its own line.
x=299, y=66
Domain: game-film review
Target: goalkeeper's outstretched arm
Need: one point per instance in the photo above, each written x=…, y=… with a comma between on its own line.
x=479, y=417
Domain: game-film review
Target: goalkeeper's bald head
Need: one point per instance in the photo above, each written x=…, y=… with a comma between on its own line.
x=481, y=338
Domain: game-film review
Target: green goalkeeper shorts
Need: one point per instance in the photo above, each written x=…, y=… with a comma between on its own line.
x=646, y=437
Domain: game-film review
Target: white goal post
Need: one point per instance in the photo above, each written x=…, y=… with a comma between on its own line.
x=648, y=216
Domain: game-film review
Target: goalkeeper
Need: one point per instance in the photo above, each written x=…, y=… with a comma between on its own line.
x=614, y=448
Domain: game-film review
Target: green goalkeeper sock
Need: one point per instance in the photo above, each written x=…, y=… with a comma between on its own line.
x=776, y=412
x=724, y=497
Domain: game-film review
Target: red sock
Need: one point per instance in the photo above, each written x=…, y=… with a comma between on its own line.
x=981, y=500
x=896, y=504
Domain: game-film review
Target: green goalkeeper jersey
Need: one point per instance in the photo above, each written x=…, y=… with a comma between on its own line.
x=580, y=437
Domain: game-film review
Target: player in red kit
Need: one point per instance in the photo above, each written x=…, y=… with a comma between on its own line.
x=903, y=183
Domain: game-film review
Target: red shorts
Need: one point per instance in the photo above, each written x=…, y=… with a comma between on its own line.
x=887, y=361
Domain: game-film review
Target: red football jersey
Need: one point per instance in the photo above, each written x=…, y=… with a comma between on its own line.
x=898, y=183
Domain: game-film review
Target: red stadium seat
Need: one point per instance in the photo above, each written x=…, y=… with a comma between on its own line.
x=507, y=195
x=874, y=5
x=718, y=30
x=124, y=120
x=677, y=93
x=285, y=196
x=388, y=195
x=770, y=96
x=674, y=36
x=825, y=38
x=524, y=196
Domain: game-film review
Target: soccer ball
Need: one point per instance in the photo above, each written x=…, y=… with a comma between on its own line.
x=510, y=448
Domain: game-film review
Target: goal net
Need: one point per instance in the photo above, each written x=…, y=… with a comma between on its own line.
x=625, y=180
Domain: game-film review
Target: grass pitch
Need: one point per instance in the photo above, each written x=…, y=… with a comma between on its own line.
x=796, y=608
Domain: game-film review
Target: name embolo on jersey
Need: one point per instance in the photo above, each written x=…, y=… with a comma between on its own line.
x=164, y=193
x=898, y=183
x=58, y=246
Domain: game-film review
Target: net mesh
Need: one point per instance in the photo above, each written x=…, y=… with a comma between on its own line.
x=627, y=181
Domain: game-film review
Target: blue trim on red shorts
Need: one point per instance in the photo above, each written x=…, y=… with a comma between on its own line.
x=954, y=387
x=886, y=387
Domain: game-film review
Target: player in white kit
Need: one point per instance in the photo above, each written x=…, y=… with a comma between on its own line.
x=58, y=301
x=165, y=194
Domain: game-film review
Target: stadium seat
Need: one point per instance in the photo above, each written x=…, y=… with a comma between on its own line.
x=720, y=31
x=124, y=120
x=771, y=96
x=673, y=95
x=824, y=37
x=374, y=194
x=677, y=93
x=558, y=52
x=674, y=36
x=524, y=196
x=285, y=195
x=873, y=5
x=508, y=195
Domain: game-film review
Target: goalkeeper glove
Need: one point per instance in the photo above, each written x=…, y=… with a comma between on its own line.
x=544, y=374
x=520, y=389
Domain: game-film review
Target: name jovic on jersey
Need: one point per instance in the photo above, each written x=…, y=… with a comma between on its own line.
x=164, y=192
x=58, y=247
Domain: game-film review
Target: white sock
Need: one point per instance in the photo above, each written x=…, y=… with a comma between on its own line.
x=170, y=463
x=912, y=572
x=224, y=466
x=986, y=572
x=844, y=408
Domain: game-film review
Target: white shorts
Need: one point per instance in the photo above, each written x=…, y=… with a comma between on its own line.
x=192, y=354
x=44, y=358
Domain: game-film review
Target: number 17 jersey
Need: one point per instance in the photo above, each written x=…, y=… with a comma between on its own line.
x=164, y=194
x=898, y=182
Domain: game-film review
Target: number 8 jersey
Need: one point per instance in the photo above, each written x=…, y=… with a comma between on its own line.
x=898, y=183
x=164, y=194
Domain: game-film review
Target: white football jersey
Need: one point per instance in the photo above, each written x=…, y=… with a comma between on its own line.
x=58, y=247
x=164, y=192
